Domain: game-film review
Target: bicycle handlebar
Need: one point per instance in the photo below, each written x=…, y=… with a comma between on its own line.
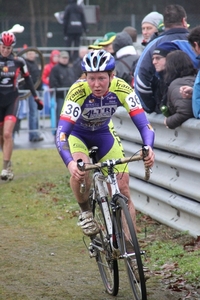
x=112, y=162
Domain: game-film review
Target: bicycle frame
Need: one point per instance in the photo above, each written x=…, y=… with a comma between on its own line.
x=117, y=238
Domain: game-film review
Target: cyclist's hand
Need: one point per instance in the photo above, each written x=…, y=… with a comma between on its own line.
x=75, y=172
x=39, y=103
x=149, y=159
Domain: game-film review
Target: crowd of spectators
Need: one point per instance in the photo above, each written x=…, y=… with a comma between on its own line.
x=145, y=65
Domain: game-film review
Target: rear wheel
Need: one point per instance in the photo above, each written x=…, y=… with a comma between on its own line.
x=129, y=248
x=107, y=264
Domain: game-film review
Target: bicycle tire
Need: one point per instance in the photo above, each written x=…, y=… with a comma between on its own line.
x=41, y=63
x=107, y=265
x=132, y=254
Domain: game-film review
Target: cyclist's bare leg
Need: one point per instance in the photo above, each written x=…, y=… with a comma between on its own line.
x=82, y=199
x=7, y=140
x=123, y=182
x=1, y=136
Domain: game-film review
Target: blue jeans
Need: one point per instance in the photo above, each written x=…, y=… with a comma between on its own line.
x=33, y=118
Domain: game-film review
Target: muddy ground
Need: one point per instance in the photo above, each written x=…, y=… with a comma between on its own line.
x=35, y=266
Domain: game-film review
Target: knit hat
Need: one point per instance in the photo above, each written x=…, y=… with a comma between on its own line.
x=108, y=39
x=153, y=18
x=121, y=40
x=164, y=48
x=95, y=45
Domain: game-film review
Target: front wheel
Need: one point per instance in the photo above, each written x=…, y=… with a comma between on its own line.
x=129, y=248
x=107, y=264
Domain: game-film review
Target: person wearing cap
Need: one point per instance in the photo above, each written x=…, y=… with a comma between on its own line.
x=95, y=45
x=159, y=60
x=150, y=25
x=176, y=28
x=61, y=76
x=107, y=41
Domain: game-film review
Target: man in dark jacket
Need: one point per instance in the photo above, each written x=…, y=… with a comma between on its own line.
x=61, y=76
x=74, y=25
x=175, y=22
x=33, y=123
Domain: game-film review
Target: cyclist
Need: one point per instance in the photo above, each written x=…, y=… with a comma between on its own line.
x=11, y=67
x=85, y=121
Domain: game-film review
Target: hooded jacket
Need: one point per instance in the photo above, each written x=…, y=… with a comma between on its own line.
x=48, y=67
x=125, y=56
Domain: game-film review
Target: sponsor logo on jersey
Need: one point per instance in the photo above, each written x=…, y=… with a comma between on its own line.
x=5, y=69
x=76, y=93
x=122, y=86
x=150, y=127
x=62, y=137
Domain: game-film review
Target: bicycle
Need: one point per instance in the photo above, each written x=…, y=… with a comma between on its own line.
x=117, y=238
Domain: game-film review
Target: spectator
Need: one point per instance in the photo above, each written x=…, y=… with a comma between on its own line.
x=125, y=56
x=61, y=76
x=189, y=91
x=179, y=71
x=133, y=34
x=74, y=23
x=150, y=26
x=54, y=58
x=159, y=61
x=83, y=50
x=95, y=45
x=48, y=101
x=34, y=136
x=175, y=22
x=107, y=42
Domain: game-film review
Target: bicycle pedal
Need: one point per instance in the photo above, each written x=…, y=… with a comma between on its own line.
x=92, y=251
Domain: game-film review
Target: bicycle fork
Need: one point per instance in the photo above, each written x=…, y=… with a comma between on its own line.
x=103, y=203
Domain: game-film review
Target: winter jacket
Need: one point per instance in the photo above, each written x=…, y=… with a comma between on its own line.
x=74, y=19
x=61, y=76
x=196, y=96
x=145, y=70
x=48, y=67
x=34, y=72
x=125, y=56
x=180, y=108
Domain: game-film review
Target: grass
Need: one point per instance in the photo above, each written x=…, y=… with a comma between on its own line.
x=38, y=223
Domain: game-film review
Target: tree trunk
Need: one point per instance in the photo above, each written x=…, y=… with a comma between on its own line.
x=32, y=23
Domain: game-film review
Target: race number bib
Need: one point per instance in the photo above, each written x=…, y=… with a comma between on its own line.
x=71, y=110
x=133, y=101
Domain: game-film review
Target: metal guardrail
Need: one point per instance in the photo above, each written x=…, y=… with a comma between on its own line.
x=172, y=194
